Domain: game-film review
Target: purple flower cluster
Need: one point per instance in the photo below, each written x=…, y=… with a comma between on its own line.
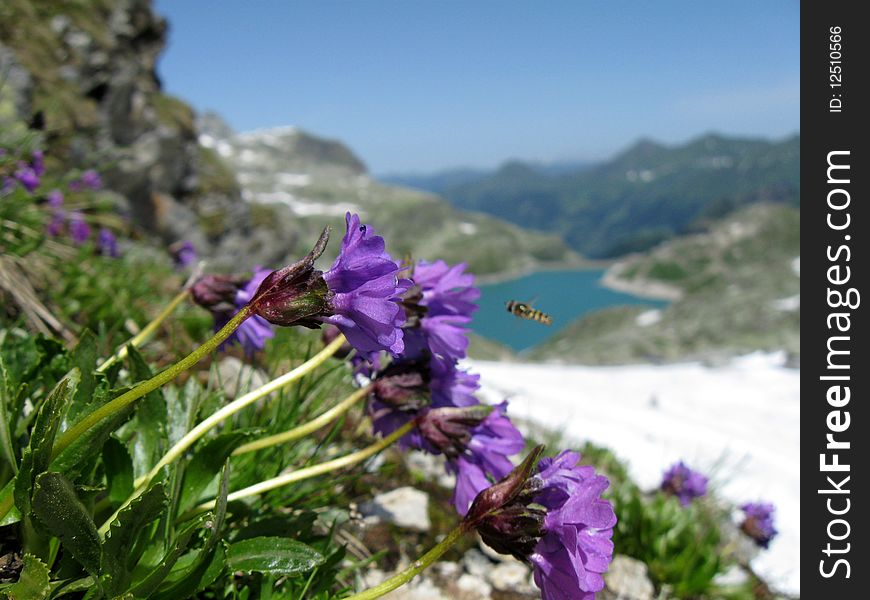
x=425, y=384
x=365, y=291
x=183, y=254
x=359, y=294
x=684, y=483
x=27, y=174
x=758, y=522
x=90, y=179
x=555, y=520
x=224, y=296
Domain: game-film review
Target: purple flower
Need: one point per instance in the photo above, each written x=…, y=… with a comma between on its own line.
x=366, y=291
x=55, y=226
x=89, y=179
x=476, y=439
x=107, y=243
x=55, y=198
x=758, y=522
x=27, y=177
x=359, y=294
x=255, y=330
x=684, y=483
x=183, y=253
x=485, y=457
x=439, y=306
x=555, y=520
x=37, y=162
x=79, y=229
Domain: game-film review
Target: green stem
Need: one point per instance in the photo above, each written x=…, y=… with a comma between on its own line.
x=303, y=430
x=227, y=411
x=400, y=579
x=308, y=472
x=76, y=431
x=146, y=333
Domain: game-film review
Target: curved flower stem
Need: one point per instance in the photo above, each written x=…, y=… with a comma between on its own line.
x=303, y=430
x=308, y=472
x=74, y=432
x=400, y=579
x=230, y=409
x=146, y=333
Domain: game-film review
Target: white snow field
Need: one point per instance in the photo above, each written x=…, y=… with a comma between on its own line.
x=739, y=422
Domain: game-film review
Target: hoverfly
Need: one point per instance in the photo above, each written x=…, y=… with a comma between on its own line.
x=525, y=311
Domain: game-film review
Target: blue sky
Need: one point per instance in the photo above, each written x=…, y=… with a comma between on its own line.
x=424, y=85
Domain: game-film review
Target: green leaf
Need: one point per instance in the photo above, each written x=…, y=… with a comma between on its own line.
x=273, y=555
x=120, y=550
x=33, y=583
x=84, y=357
x=149, y=424
x=209, y=562
x=36, y=457
x=69, y=586
x=207, y=463
x=59, y=510
x=5, y=435
x=119, y=470
x=157, y=574
x=78, y=456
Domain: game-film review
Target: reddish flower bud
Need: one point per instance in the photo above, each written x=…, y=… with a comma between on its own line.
x=448, y=429
x=217, y=293
x=296, y=294
x=404, y=385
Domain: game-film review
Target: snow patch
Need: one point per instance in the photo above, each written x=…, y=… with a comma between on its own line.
x=649, y=317
x=293, y=179
x=467, y=228
x=739, y=422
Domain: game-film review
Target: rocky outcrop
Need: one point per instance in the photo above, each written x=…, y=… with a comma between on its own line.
x=84, y=73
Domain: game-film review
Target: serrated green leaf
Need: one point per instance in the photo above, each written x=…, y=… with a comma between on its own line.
x=273, y=555
x=6, y=449
x=33, y=583
x=206, y=463
x=84, y=357
x=37, y=455
x=119, y=470
x=149, y=422
x=209, y=561
x=121, y=553
x=157, y=575
x=78, y=455
x=59, y=510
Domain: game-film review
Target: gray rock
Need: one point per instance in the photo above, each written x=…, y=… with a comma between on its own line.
x=627, y=579
x=405, y=507
x=511, y=577
x=476, y=563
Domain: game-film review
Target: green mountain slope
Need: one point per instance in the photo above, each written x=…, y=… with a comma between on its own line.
x=645, y=195
x=737, y=289
x=295, y=182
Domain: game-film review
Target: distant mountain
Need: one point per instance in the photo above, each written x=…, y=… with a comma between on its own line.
x=295, y=182
x=646, y=194
x=442, y=182
x=735, y=289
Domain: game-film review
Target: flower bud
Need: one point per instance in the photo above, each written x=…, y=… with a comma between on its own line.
x=404, y=385
x=296, y=294
x=216, y=293
x=448, y=429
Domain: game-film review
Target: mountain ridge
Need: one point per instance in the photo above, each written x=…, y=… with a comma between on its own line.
x=645, y=194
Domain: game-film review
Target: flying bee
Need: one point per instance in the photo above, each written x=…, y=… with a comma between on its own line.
x=525, y=311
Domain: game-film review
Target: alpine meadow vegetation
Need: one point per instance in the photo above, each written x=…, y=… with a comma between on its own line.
x=130, y=469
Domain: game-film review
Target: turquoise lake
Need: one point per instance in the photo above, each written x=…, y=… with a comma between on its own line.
x=564, y=295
